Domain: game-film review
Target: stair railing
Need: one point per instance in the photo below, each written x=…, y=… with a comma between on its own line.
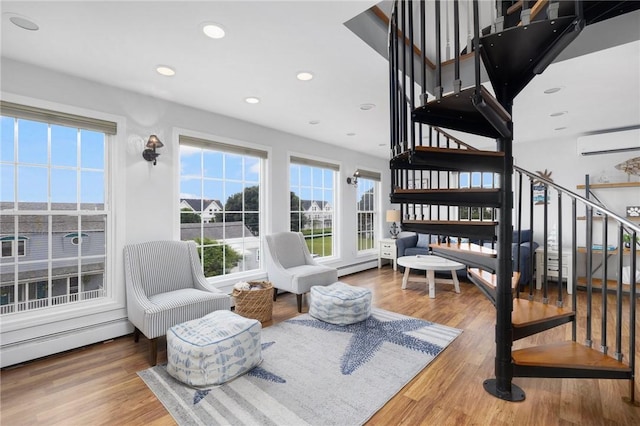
x=592, y=251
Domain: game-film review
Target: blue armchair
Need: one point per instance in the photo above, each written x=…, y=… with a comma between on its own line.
x=411, y=244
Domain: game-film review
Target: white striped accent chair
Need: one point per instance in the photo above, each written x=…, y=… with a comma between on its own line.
x=165, y=287
x=291, y=268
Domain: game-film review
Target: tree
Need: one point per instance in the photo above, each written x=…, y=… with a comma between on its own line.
x=298, y=218
x=246, y=201
x=366, y=201
x=189, y=216
x=217, y=259
x=251, y=199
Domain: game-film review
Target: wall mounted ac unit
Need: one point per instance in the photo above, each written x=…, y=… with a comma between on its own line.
x=609, y=143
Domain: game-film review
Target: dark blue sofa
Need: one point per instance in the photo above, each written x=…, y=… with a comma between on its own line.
x=411, y=244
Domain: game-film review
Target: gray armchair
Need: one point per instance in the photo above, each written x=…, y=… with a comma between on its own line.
x=166, y=286
x=291, y=268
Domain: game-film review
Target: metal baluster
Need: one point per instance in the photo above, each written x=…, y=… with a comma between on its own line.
x=457, y=84
x=588, y=340
x=603, y=323
x=559, y=243
x=531, y=220
x=412, y=80
x=438, y=89
x=423, y=54
x=545, y=216
x=574, y=264
x=618, y=351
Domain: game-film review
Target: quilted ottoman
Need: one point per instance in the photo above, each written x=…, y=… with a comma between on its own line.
x=213, y=349
x=340, y=303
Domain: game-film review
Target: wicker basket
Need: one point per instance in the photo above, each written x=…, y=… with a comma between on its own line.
x=257, y=303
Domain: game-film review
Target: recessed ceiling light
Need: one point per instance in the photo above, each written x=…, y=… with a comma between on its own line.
x=24, y=23
x=552, y=90
x=314, y=122
x=367, y=107
x=351, y=134
x=558, y=114
x=213, y=30
x=252, y=100
x=304, y=76
x=559, y=128
x=165, y=70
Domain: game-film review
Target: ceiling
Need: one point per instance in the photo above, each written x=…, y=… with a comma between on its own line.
x=120, y=43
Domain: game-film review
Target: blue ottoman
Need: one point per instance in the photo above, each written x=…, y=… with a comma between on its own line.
x=213, y=349
x=340, y=303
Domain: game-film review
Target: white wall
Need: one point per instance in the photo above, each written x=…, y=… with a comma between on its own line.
x=560, y=157
x=146, y=196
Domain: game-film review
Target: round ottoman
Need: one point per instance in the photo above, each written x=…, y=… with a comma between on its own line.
x=340, y=303
x=213, y=349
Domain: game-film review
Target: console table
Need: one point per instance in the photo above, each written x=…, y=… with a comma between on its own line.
x=387, y=250
x=553, y=270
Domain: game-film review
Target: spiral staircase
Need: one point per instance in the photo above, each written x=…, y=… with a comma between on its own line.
x=432, y=175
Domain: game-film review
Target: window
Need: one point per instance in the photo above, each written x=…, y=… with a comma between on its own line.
x=12, y=247
x=230, y=176
x=477, y=180
x=313, y=203
x=54, y=178
x=367, y=210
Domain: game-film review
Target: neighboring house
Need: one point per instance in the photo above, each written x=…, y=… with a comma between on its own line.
x=209, y=207
x=234, y=234
x=76, y=260
x=319, y=214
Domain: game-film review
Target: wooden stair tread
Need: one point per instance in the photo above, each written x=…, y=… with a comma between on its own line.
x=469, y=197
x=439, y=190
x=526, y=312
x=469, y=248
x=471, y=110
x=491, y=280
x=567, y=355
x=440, y=150
x=451, y=222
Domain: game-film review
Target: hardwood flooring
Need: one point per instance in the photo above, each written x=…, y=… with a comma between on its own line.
x=98, y=384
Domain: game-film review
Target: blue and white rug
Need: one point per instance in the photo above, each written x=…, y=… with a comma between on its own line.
x=313, y=373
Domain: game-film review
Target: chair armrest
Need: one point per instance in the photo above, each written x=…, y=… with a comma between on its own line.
x=201, y=283
x=403, y=243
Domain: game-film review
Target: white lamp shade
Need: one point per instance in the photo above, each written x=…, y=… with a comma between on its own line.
x=393, y=215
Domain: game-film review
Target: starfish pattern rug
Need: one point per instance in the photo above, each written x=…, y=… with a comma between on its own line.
x=313, y=373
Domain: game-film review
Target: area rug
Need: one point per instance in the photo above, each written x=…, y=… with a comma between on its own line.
x=313, y=373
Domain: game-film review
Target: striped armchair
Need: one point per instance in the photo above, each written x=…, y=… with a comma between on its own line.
x=165, y=287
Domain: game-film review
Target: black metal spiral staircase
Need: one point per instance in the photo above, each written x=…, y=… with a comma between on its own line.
x=427, y=163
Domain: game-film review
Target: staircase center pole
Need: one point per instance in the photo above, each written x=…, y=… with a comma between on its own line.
x=501, y=386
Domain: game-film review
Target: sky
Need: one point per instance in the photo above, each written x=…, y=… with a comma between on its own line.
x=214, y=175
x=67, y=166
x=63, y=166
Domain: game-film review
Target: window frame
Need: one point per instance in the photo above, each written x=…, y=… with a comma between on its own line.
x=15, y=249
x=78, y=119
x=185, y=137
x=375, y=213
x=323, y=165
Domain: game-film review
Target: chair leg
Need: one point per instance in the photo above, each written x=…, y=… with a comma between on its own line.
x=136, y=334
x=153, y=351
x=299, y=299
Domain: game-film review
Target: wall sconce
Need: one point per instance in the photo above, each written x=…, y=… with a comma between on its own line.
x=353, y=180
x=150, y=153
x=393, y=216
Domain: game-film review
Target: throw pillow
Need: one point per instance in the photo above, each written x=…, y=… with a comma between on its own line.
x=423, y=241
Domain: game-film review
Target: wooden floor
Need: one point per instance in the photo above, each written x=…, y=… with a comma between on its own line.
x=98, y=384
